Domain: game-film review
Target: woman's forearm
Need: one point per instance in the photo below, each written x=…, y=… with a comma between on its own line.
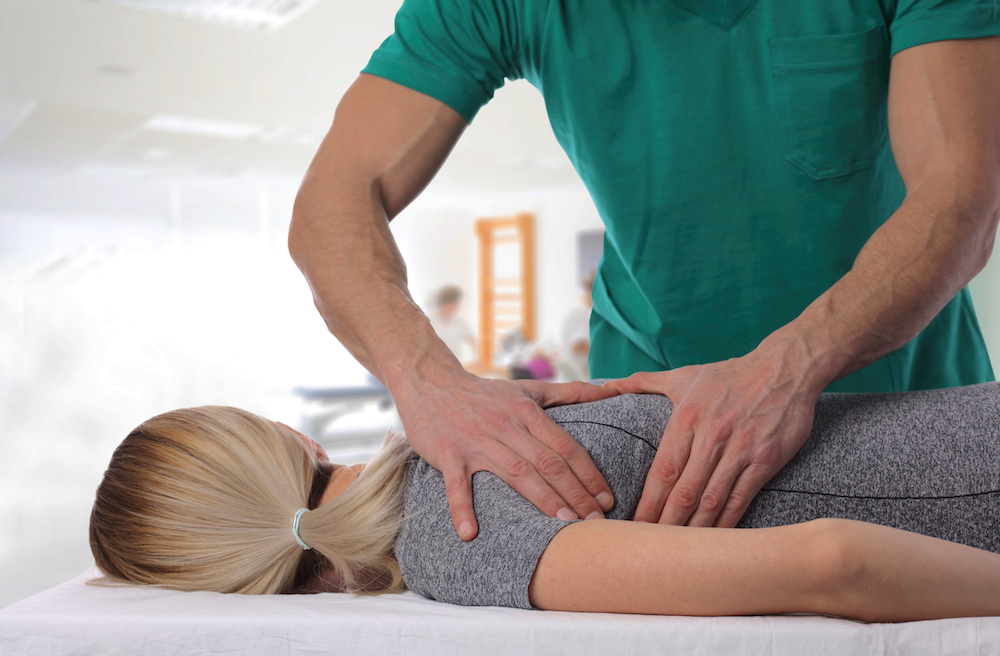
x=834, y=567
x=638, y=567
x=894, y=576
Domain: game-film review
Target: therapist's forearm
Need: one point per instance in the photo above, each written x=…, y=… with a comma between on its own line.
x=943, y=101
x=937, y=241
x=341, y=241
x=384, y=147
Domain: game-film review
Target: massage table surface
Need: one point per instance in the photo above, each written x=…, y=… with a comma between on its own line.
x=75, y=618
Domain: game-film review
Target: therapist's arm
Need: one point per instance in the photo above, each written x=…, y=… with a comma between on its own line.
x=736, y=423
x=385, y=145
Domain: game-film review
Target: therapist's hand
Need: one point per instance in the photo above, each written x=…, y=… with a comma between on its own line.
x=469, y=424
x=734, y=425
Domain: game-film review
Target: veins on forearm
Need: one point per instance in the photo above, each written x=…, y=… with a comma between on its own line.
x=906, y=273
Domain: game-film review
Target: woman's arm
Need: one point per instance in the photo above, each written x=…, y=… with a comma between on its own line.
x=830, y=566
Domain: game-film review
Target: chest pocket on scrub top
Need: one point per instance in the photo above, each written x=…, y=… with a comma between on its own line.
x=831, y=93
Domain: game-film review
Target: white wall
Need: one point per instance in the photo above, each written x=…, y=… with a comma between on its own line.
x=108, y=319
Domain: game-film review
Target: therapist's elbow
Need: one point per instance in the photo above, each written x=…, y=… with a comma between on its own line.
x=300, y=230
x=339, y=195
x=967, y=198
x=316, y=215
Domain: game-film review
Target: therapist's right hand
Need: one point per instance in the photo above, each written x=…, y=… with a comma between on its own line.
x=462, y=424
x=385, y=145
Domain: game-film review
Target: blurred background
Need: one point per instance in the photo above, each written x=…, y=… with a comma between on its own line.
x=150, y=151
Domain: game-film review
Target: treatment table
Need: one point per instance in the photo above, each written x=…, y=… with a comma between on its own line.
x=79, y=619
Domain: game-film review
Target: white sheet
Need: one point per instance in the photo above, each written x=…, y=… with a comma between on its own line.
x=74, y=618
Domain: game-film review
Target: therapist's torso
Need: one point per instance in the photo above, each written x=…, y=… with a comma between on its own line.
x=737, y=151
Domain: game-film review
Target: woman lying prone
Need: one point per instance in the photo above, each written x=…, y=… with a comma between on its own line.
x=217, y=498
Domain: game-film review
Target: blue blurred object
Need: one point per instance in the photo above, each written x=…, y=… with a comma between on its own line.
x=336, y=402
x=333, y=395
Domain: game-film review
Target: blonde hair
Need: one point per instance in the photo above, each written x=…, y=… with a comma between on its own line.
x=203, y=499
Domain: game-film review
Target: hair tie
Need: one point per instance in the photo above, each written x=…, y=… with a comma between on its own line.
x=295, y=527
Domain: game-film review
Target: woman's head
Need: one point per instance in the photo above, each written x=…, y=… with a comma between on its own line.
x=203, y=499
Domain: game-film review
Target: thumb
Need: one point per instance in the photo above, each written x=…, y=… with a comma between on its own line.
x=459, y=490
x=549, y=394
x=643, y=382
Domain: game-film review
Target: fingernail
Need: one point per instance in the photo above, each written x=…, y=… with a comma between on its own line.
x=465, y=529
x=595, y=515
x=606, y=500
x=566, y=515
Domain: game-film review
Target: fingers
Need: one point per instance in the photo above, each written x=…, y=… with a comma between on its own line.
x=643, y=382
x=674, y=383
x=519, y=473
x=690, y=479
x=734, y=424
x=564, y=464
x=551, y=471
x=718, y=493
x=498, y=426
x=550, y=394
x=746, y=487
x=706, y=480
x=671, y=458
x=570, y=470
x=458, y=487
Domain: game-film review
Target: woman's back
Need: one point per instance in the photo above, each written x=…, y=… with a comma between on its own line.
x=921, y=461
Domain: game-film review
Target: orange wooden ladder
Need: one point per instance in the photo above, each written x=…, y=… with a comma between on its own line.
x=506, y=300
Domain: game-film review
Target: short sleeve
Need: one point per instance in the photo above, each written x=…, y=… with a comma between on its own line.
x=922, y=21
x=457, y=51
x=495, y=568
x=621, y=435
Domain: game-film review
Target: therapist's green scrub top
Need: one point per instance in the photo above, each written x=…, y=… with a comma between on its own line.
x=736, y=150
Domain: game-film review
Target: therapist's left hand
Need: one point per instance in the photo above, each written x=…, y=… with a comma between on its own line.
x=734, y=425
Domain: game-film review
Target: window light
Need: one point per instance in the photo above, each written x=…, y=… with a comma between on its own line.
x=266, y=15
x=202, y=127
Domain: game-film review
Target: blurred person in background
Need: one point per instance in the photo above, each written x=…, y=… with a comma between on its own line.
x=453, y=330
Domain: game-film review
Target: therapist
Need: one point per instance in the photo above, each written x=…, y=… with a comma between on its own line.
x=795, y=194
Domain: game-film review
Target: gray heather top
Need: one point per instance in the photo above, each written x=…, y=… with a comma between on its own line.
x=923, y=461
